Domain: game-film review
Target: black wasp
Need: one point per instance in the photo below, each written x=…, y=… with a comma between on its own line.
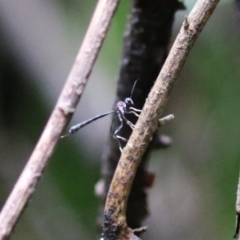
x=121, y=109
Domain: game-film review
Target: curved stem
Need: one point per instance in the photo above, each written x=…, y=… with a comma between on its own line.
x=116, y=204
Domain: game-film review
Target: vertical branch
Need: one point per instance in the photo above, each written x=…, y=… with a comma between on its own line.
x=61, y=114
x=145, y=49
x=115, y=223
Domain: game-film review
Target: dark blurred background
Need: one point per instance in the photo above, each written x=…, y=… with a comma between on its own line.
x=196, y=179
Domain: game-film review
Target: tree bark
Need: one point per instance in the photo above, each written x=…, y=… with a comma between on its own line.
x=146, y=43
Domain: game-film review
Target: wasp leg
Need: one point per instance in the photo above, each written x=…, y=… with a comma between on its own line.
x=115, y=133
x=135, y=111
x=163, y=120
x=131, y=125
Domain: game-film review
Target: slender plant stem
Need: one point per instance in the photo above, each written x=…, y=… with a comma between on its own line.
x=145, y=48
x=237, y=235
x=61, y=115
x=116, y=204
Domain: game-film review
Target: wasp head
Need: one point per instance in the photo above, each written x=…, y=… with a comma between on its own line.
x=129, y=102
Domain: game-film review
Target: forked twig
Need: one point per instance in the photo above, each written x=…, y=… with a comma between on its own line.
x=115, y=209
x=61, y=114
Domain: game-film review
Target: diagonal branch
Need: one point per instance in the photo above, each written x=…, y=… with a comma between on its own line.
x=145, y=48
x=61, y=114
x=116, y=204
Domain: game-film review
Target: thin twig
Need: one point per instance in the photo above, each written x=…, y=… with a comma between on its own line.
x=237, y=235
x=62, y=113
x=115, y=209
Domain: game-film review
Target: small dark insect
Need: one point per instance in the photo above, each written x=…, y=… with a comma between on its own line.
x=121, y=109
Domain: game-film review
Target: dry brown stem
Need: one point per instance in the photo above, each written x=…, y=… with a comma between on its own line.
x=145, y=48
x=61, y=114
x=116, y=204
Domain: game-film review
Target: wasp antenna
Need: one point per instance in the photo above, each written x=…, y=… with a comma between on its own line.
x=134, y=85
x=63, y=136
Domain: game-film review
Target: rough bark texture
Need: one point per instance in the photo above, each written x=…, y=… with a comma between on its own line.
x=146, y=43
x=116, y=222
